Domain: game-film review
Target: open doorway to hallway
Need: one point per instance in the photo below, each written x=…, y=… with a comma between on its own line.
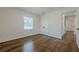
x=69, y=23
x=69, y=36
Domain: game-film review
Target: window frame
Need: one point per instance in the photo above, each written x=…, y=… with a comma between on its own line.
x=26, y=18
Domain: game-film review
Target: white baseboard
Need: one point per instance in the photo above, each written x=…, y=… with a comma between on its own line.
x=15, y=38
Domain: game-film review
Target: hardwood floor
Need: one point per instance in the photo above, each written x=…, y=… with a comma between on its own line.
x=41, y=43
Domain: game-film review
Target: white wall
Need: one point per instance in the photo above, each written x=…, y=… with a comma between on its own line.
x=53, y=22
x=12, y=26
x=52, y=25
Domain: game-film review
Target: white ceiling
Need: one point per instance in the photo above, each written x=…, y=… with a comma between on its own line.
x=39, y=10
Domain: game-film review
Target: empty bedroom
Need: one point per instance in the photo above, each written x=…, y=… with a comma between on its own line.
x=39, y=29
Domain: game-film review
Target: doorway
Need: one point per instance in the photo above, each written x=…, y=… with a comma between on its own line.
x=69, y=23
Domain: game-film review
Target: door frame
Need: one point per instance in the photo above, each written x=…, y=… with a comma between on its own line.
x=63, y=22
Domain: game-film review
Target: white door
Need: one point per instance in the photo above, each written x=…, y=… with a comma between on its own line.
x=77, y=27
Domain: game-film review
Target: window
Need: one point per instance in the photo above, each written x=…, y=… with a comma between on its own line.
x=28, y=23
